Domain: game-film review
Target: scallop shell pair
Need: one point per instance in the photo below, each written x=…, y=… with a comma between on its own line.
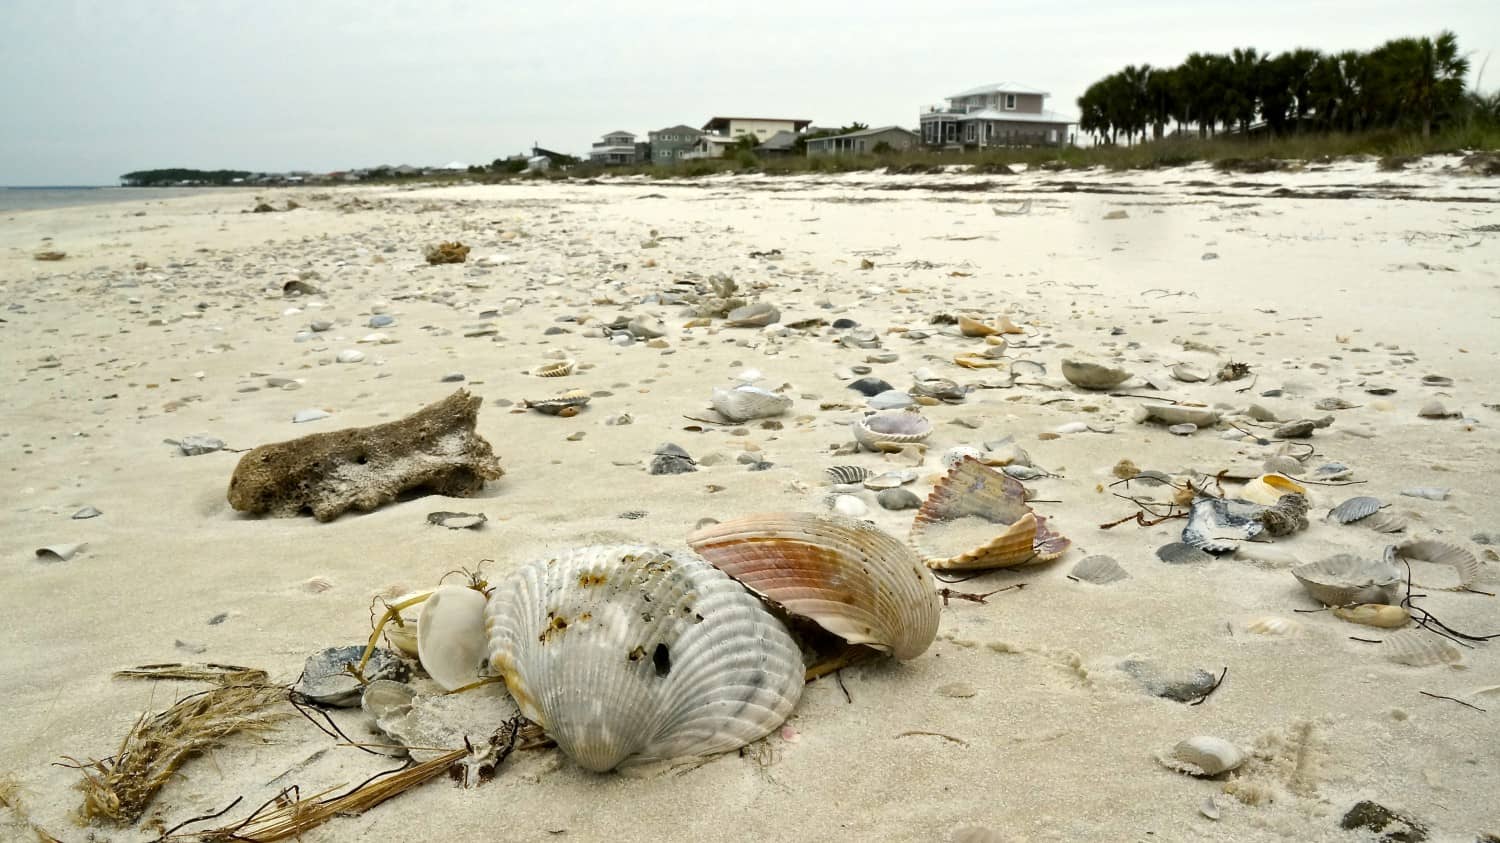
x=891, y=432
x=977, y=518
x=1088, y=375
x=1347, y=578
x=632, y=654
x=745, y=402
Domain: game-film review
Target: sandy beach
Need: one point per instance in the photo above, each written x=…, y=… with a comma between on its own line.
x=1031, y=717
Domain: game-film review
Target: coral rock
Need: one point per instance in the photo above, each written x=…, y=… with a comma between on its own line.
x=435, y=450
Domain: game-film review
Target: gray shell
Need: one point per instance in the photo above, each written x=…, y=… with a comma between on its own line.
x=1346, y=578
x=1354, y=509
x=630, y=654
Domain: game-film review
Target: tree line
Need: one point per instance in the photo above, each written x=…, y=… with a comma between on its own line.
x=1405, y=83
x=179, y=175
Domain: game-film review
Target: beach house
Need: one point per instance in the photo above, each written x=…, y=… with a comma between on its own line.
x=619, y=147
x=863, y=142
x=1003, y=114
x=672, y=143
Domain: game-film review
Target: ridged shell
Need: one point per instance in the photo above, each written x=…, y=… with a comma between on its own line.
x=559, y=369
x=1177, y=414
x=846, y=474
x=1374, y=614
x=743, y=403
x=1188, y=373
x=1203, y=756
x=752, y=316
x=994, y=527
x=1100, y=570
x=891, y=431
x=1271, y=626
x=557, y=406
x=1354, y=509
x=1345, y=578
x=631, y=654
x=1384, y=521
x=1417, y=648
x=1267, y=489
x=1088, y=375
x=849, y=577
x=1441, y=553
x=451, y=637
x=1178, y=553
x=1217, y=525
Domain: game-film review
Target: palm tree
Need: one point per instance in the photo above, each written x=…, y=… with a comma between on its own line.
x=1298, y=67
x=1438, y=81
x=1161, y=99
x=1195, y=78
x=1244, y=80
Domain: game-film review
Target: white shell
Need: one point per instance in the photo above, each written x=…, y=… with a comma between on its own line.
x=745, y=402
x=1188, y=373
x=850, y=505
x=554, y=370
x=1441, y=553
x=1170, y=414
x=1419, y=648
x=1088, y=375
x=891, y=431
x=1267, y=489
x=450, y=636
x=1203, y=755
x=403, y=635
x=631, y=654
x=1271, y=626
x=752, y=316
x=64, y=552
x=1100, y=570
x=1346, y=578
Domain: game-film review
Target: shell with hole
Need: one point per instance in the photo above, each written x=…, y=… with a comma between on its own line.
x=559, y=369
x=890, y=432
x=745, y=402
x=450, y=636
x=847, y=576
x=1086, y=374
x=977, y=518
x=1347, y=578
x=626, y=654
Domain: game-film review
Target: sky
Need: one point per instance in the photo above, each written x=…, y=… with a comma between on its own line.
x=91, y=89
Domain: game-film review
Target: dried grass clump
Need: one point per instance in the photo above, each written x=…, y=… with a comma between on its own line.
x=49, y=256
x=120, y=788
x=454, y=252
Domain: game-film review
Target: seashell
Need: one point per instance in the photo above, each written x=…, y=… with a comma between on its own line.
x=457, y=520
x=607, y=649
x=326, y=679
x=870, y=387
x=1374, y=614
x=891, y=431
x=1186, y=429
x=645, y=327
x=942, y=389
x=1431, y=493
x=850, y=506
x=976, y=518
x=1217, y=525
x=1188, y=373
x=1170, y=414
x=1267, y=489
x=1346, y=578
x=451, y=637
x=1271, y=626
x=1417, y=648
x=1100, y=570
x=386, y=698
x=1178, y=553
x=1436, y=410
x=958, y=453
x=1024, y=472
x=317, y=585
x=1028, y=367
x=1332, y=471
x=891, y=399
x=860, y=338
x=1385, y=521
x=1441, y=553
x=566, y=405
x=978, y=361
x=1354, y=509
x=1203, y=756
x=752, y=316
x=971, y=327
x=849, y=577
x=60, y=552
x=559, y=369
x=745, y=402
x=889, y=480
x=1436, y=380
x=843, y=475
x=1088, y=375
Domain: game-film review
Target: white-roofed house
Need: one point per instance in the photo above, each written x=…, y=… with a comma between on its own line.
x=619, y=147
x=1002, y=114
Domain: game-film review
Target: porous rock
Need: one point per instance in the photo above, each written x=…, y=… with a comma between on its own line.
x=434, y=450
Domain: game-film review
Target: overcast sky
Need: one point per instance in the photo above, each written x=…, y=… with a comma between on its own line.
x=90, y=90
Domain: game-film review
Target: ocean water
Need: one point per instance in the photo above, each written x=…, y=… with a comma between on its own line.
x=39, y=198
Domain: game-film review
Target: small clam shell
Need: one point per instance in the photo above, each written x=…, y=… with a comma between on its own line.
x=889, y=480
x=566, y=405
x=977, y=518
x=630, y=654
x=752, y=316
x=1354, y=509
x=1203, y=756
x=1462, y=561
x=1100, y=570
x=745, y=402
x=1417, y=648
x=891, y=430
x=562, y=368
x=60, y=552
x=1267, y=489
x=1374, y=614
x=384, y=698
x=1345, y=578
x=971, y=327
x=1271, y=626
x=1088, y=375
x=843, y=475
x=450, y=636
x=849, y=577
x=1188, y=373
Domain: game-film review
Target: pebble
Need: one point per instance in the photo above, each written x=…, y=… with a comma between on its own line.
x=350, y=355
x=671, y=459
x=1184, y=429
x=309, y=415
x=86, y=512
x=321, y=325
x=193, y=446
x=870, y=387
x=892, y=399
x=453, y=377
x=844, y=324
x=381, y=320
x=898, y=499
x=1300, y=429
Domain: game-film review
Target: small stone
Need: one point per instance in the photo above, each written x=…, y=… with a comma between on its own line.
x=870, y=387
x=1393, y=827
x=1300, y=429
x=320, y=325
x=1184, y=429
x=1185, y=687
x=453, y=377
x=958, y=690
x=898, y=499
x=844, y=324
x=303, y=416
x=381, y=320
x=350, y=355
x=633, y=514
x=1260, y=413
x=193, y=445
x=86, y=512
x=457, y=520
x=850, y=505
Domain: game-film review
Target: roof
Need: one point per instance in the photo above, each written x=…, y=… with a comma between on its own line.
x=618, y=132
x=679, y=129
x=865, y=133
x=1000, y=88
x=780, y=140
x=798, y=125
x=612, y=150
x=1017, y=116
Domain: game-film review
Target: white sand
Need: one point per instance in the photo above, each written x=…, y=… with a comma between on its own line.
x=1319, y=296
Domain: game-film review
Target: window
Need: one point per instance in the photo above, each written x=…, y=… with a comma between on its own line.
x=1010, y=102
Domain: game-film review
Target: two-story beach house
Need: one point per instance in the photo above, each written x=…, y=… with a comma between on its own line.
x=670, y=144
x=1005, y=114
x=619, y=148
x=721, y=133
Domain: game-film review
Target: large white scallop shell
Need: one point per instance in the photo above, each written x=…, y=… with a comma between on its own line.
x=1462, y=561
x=977, y=518
x=851, y=578
x=1419, y=648
x=891, y=431
x=745, y=402
x=1347, y=578
x=630, y=654
x=450, y=636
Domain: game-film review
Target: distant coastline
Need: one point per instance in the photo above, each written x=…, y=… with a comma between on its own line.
x=43, y=197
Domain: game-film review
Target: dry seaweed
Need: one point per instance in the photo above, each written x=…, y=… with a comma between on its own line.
x=454, y=252
x=10, y=799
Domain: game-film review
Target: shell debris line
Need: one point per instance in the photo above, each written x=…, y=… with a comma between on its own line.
x=605, y=492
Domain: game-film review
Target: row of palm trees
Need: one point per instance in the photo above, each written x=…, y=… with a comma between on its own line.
x=1403, y=83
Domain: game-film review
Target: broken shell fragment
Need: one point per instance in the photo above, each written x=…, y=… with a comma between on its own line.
x=1188, y=373
x=326, y=679
x=1218, y=525
x=889, y=432
x=977, y=518
x=1267, y=489
x=559, y=369
x=1089, y=375
x=629, y=654
x=1374, y=614
x=1178, y=553
x=1170, y=414
x=451, y=637
x=1203, y=756
x=1271, y=626
x=847, y=576
x=844, y=475
x=971, y=327
x=60, y=552
x=745, y=402
x=1464, y=563
x=1347, y=578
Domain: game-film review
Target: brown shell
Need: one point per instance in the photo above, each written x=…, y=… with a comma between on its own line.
x=971, y=494
x=846, y=575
